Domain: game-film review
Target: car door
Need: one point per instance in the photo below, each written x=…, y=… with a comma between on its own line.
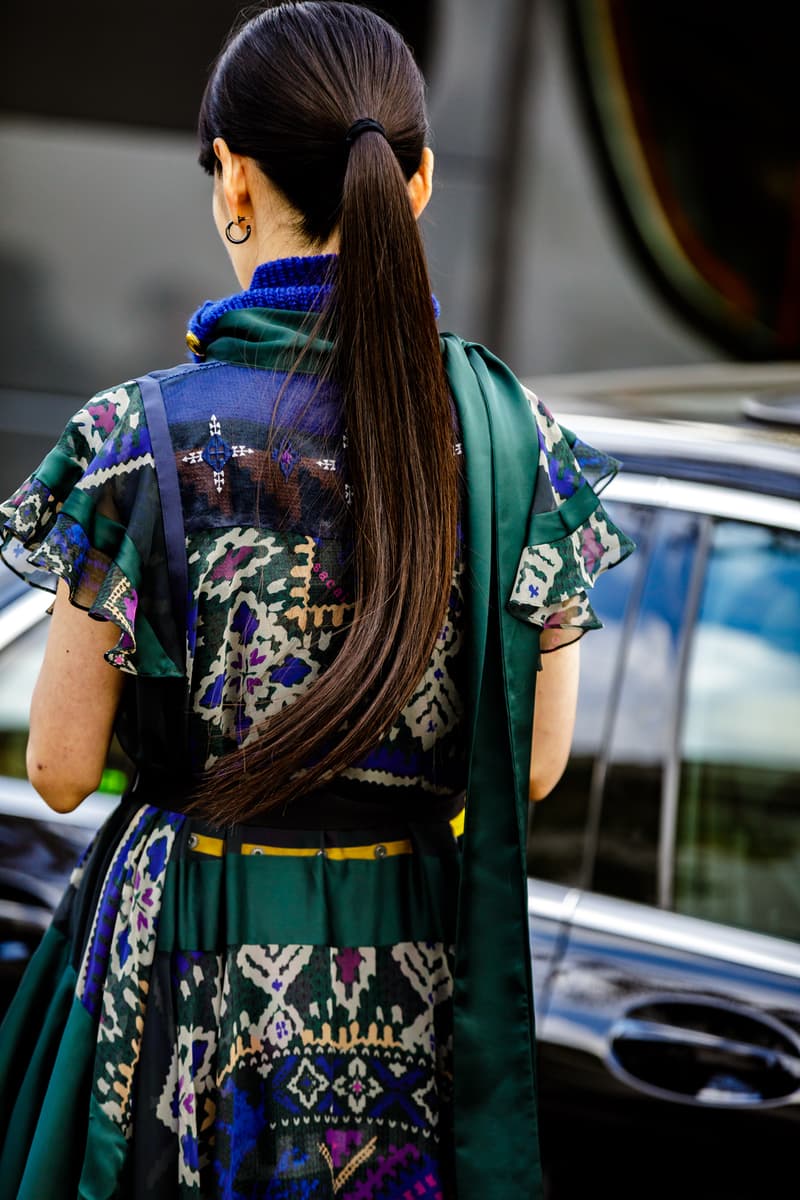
x=38, y=848
x=669, y=1019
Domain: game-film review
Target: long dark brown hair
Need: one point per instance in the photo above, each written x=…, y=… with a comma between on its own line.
x=284, y=92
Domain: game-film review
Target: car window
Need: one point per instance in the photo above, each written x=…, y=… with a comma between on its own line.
x=557, y=828
x=19, y=667
x=737, y=856
x=641, y=733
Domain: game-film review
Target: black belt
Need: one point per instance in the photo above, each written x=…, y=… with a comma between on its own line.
x=324, y=808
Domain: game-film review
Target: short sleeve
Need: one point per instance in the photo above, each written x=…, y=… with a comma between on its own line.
x=90, y=515
x=571, y=539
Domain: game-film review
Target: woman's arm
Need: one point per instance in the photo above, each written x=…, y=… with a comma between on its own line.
x=554, y=717
x=73, y=706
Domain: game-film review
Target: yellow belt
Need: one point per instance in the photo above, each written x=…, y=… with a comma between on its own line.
x=202, y=844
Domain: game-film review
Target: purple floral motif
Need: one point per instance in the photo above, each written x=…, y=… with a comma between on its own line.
x=237, y=1136
x=124, y=946
x=185, y=959
x=348, y=962
x=68, y=540
x=245, y=623
x=287, y=458
x=198, y=1057
x=130, y=604
x=157, y=857
x=341, y=1143
x=591, y=549
x=143, y=899
x=387, y=1169
x=193, y=610
x=533, y=589
x=183, y=962
x=125, y=642
x=183, y=1098
x=243, y=663
x=190, y=1150
x=129, y=447
x=104, y=415
x=227, y=568
x=212, y=696
x=292, y=670
x=21, y=495
x=563, y=478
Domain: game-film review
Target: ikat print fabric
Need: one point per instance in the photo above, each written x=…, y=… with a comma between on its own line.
x=270, y=603
x=572, y=540
x=216, y=1059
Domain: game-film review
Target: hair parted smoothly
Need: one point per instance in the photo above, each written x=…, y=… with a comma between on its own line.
x=287, y=91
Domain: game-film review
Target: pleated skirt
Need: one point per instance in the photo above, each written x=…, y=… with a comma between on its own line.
x=252, y=1014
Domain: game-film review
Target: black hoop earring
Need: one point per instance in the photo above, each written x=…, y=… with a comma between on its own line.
x=237, y=241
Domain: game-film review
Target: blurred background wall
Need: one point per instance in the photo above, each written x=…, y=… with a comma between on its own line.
x=106, y=241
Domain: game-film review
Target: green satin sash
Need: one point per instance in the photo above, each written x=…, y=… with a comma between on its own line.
x=496, y=1133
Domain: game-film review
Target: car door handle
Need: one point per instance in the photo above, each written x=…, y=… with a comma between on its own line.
x=701, y=1067
x=669, y=1036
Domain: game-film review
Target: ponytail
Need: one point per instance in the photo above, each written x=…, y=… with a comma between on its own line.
x=401, y=462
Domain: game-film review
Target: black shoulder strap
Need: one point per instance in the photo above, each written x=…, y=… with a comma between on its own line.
x=169, y=489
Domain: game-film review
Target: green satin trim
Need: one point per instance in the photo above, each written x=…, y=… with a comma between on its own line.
x=269, y=338
x=106, y=535
x=112, y=539
x=209, y=902
x=58, y=471
x=152, y=660
x=104, y=1161
x=564, y=520
x=55, y=1154
x=493, y=1037
x=25, y=1072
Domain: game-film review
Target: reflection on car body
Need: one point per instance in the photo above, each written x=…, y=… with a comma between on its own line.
x=664, y=891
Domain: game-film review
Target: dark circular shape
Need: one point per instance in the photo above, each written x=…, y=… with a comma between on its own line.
x=237, y=241
x=363, y=125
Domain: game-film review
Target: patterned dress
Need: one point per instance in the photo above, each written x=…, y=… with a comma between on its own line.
x=263, y=1011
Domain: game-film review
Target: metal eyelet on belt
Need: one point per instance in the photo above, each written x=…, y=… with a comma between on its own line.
x=256, y=850
x=321, y=853
x=191, y=841
x=380, y=851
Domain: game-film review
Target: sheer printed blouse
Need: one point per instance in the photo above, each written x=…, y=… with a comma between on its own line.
x=262, y=467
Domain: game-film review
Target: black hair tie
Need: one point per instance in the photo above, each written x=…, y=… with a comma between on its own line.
x=363, y=125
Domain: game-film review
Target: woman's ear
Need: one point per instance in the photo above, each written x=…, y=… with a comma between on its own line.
x=420, y=185
x=234, y=181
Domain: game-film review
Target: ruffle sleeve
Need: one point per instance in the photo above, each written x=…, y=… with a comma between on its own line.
x=90, y=515
x=571, y=539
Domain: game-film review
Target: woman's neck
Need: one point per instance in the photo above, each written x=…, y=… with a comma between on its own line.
x=272, y=242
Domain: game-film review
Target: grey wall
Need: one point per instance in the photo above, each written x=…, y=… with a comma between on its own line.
x=106, y=241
